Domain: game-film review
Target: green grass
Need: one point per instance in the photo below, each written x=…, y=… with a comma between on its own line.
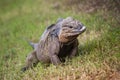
x=99, y=49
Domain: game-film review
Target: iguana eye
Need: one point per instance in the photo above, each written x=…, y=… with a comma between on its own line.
x=70, y=27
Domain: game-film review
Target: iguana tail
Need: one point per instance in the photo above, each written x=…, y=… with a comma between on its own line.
x=33, y=45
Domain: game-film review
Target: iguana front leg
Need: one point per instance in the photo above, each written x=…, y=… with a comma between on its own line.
x=55, y=60
x=74, y=50
x=54, y=48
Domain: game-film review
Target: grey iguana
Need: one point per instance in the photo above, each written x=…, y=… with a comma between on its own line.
x=57, y=42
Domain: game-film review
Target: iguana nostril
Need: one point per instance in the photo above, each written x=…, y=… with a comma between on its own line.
x=79, y=27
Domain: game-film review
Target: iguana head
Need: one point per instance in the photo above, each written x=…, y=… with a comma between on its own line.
x=70, y=29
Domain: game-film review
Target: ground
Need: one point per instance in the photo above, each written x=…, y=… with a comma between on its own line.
x=99, y=48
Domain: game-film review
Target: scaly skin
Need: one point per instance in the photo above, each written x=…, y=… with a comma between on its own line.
x=57, y=42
